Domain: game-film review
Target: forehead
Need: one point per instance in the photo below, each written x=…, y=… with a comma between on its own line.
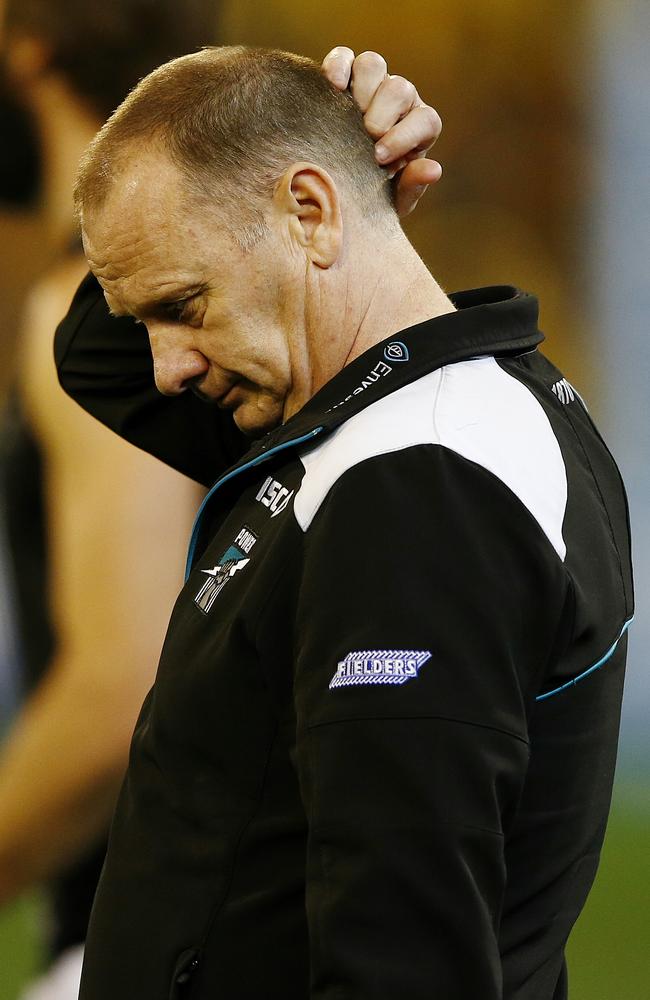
x=149, y=234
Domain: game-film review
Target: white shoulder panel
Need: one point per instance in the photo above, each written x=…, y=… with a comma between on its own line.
x=400, y=420
x=473, y=408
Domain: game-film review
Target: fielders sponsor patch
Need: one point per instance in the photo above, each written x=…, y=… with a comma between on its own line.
x=379, y=666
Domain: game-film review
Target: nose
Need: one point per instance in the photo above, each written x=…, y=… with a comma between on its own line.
x=175, y=364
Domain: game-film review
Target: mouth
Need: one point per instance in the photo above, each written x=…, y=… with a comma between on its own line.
x=228, y=401
x=222, y=401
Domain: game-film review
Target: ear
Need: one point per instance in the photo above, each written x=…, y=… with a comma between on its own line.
x=307, y=198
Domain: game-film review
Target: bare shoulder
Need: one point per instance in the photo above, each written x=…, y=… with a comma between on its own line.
x=46, y=305
x=66, y=433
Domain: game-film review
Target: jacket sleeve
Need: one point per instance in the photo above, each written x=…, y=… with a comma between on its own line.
x=429, y=604
x=105, y=364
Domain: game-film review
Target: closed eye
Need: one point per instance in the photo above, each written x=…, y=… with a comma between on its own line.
x=182, y=310
x=175, y=310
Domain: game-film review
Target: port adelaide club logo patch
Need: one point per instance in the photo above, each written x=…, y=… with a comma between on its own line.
x=233, y=561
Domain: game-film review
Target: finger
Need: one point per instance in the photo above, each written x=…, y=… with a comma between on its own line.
x=394, y=98
x=413, y=181
x=337, y=66
x=368, y=71
x=414, y=134
x=394, y=168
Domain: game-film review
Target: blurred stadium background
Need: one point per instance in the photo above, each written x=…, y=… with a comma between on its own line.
x=546, y=150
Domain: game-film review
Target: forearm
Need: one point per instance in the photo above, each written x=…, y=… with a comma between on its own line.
x=105, y=365
x=60, y=771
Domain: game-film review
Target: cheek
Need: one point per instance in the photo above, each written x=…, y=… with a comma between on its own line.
x=246, y=335
x=261, y=353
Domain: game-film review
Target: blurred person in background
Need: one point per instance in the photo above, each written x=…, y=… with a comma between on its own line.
x=90, y=621
x=83, y=512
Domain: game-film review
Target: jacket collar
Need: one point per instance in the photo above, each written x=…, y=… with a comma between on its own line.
x=500, y=320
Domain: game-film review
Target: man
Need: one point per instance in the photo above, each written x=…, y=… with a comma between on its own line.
x=378, y=755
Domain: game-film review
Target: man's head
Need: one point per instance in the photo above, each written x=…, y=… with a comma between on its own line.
x=214, y=203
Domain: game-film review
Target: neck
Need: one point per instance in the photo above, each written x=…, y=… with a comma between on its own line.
x=400, y=292
x=66, y=127
x=364, y=299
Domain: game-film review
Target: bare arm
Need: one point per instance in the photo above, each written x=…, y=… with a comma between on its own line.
x=118, y=522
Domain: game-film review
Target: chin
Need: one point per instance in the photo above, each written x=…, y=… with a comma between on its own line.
x=254, y=421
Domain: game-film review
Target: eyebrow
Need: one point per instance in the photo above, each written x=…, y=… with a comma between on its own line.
x=153, y=306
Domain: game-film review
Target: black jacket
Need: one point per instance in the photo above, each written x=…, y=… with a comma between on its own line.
x=377, y=760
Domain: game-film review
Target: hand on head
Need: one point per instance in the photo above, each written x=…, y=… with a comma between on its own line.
x=403, y=126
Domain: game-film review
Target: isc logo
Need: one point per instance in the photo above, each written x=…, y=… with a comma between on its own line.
x=274, y=495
